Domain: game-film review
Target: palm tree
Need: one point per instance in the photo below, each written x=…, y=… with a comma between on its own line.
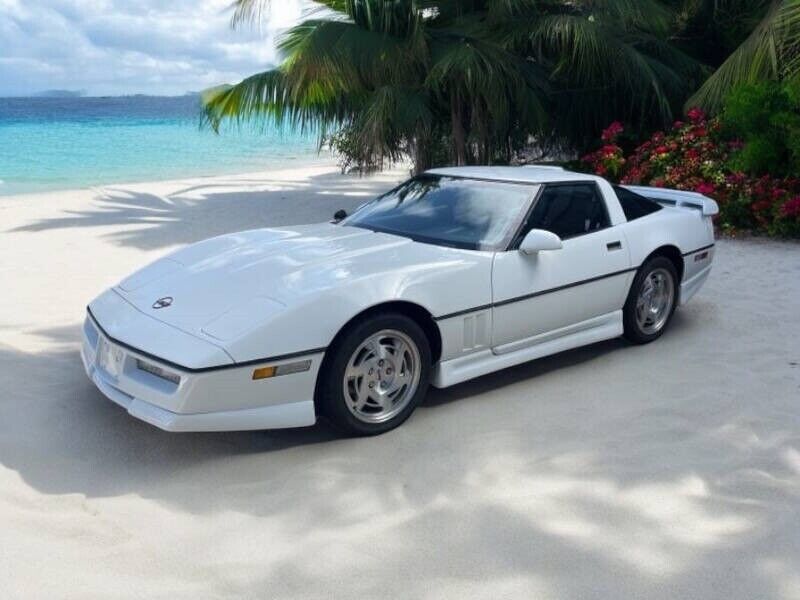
x=607, y=60
x=385, y=71
x=391, y=72
x=770, y=52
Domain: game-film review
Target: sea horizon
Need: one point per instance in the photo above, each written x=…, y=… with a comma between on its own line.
x=63, y=142
x=76, y=94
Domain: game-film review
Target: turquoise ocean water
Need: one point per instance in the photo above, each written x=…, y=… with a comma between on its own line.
x=65, y=143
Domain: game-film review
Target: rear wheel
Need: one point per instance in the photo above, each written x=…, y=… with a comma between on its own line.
x=651, y=301
x=377, y=375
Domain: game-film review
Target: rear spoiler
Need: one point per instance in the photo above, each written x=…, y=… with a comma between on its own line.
x=678, y=198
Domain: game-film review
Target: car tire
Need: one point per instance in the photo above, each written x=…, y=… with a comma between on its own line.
x=651, y=301
x=375, y=374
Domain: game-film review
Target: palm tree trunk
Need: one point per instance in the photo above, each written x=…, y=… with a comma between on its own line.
x=459, y=134
x=420, y=164
x=422, y=151
x=479, y=122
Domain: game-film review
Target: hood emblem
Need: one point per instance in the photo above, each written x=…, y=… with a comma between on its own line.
x=163, y=302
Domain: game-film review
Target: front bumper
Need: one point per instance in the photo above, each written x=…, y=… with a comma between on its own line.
x=224, y=399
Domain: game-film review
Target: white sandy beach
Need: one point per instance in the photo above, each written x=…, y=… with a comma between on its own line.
x=668, y=471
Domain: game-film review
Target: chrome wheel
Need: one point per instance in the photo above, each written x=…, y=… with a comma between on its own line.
x=382, y=376
x=655, y=301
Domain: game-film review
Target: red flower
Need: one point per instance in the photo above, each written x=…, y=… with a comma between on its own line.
x=791, y=208
x=737, y=178
x=612, y=132
x=662, y=150
x=761, y=205
x=705, y=188
x=696, y=115
x=609, y=150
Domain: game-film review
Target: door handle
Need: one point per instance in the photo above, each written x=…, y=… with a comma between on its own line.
x=611, y=246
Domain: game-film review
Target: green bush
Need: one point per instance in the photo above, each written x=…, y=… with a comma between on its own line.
x=766, y=118
x=352, y=154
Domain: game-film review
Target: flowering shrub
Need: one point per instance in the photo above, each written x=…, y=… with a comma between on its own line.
x=609, y=160
x=689, y=157
x=791, y=208
x=695, y=156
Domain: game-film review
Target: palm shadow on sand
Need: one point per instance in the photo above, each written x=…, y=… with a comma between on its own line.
x=148, y=221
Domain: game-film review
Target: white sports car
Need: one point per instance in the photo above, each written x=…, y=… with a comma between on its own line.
x=453, y=274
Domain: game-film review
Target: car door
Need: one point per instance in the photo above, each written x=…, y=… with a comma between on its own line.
x=538, y=297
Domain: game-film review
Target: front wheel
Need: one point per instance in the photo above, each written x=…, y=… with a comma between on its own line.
x=377, y=375
x=651, y=301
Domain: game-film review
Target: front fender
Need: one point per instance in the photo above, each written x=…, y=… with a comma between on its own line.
x=308, y=314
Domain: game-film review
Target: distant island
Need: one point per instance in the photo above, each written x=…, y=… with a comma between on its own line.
x=60, y=94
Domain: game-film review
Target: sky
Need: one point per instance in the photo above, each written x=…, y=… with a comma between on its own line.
x=117, y=47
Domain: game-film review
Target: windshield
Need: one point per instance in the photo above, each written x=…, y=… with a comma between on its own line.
x=448, y=211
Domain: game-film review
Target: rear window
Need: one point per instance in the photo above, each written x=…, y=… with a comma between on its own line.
x=635, y=206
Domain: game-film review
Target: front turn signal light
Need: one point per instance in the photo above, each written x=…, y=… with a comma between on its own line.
x=264, y=372
x=284, y=369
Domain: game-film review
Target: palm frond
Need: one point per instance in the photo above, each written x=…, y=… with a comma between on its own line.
x=502, y=89
x=505, y=11
x=646, y=15
x=770, y=52
x=790, y=20
x=594, y=54
x=347, y=56
x=602, y=73
x=252, y=11
x=388, y=118
x=251, y=97
x=269, y=96
x=395, y=17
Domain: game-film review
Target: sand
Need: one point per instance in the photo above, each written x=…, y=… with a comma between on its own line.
x=666, y=471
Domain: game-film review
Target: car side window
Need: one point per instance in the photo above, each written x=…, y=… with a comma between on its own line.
x=569, y=210
x=633, y=205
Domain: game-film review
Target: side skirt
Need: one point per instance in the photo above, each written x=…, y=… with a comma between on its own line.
x=691, y=286
x=464, y=368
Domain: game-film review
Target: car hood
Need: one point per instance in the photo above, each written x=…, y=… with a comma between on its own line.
x=218, y=287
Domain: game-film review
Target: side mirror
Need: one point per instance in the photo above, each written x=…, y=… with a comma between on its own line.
x=539, y=240
x=339, y=215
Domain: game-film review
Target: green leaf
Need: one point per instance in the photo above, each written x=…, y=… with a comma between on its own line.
x=769, y=53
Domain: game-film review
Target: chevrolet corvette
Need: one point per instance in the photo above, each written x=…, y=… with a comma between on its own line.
x=453, y=274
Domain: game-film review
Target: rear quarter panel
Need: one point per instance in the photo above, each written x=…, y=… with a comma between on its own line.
x=686, y=229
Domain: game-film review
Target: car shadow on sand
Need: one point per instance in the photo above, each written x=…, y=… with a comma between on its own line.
x=102, y=451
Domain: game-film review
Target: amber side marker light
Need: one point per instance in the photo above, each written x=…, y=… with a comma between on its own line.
x=278, y=370
x=264, y=372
